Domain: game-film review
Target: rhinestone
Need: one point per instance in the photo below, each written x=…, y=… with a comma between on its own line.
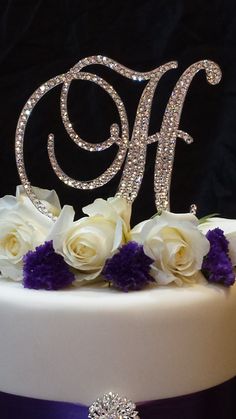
x=193, y=209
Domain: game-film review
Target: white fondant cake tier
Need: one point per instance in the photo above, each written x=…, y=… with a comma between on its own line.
x=77, y=344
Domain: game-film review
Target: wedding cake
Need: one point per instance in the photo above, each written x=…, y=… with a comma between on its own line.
x=93, y=306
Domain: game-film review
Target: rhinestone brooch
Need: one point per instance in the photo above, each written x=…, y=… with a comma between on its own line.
x=112, y=406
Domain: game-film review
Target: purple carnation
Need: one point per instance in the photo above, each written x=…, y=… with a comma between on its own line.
x=129, y=268
x=217, y=266
x=45, y=269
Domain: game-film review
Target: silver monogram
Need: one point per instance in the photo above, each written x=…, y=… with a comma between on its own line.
x=131, y=153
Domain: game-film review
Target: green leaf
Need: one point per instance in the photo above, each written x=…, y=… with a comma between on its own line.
x=203, y=219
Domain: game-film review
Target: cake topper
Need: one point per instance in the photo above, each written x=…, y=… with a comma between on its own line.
x=131, y=153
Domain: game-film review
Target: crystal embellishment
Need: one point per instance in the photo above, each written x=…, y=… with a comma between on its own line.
x=169, y=131
x=112, y=406
x=131, y=153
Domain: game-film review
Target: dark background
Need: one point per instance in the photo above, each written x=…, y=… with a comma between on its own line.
x=40, y=39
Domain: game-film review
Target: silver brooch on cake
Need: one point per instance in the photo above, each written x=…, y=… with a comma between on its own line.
x=112, y=406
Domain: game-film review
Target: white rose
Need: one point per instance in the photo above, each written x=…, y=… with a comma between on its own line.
x=175, y=244
x=22, y=228
x=229, y=228
x=112, y=209
x=87, y=243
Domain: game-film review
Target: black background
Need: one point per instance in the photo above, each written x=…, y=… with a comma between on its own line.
x=40, y=39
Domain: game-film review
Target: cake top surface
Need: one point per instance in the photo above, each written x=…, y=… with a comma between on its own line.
x=99, y=296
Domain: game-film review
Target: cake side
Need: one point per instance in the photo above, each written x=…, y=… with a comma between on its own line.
x=77, y=344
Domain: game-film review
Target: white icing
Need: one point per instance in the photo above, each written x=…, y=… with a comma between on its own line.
x=77, y=344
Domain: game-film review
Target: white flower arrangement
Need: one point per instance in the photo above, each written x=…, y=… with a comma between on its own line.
x=172, y=246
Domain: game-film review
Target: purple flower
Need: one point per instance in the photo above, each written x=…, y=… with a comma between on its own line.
x=45, y=269
x=217, y=266
x=129, y=268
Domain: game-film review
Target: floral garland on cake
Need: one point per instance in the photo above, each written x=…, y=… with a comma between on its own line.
x=101, y=246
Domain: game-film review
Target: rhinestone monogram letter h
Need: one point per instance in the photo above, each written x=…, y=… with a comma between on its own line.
x=130, y=152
